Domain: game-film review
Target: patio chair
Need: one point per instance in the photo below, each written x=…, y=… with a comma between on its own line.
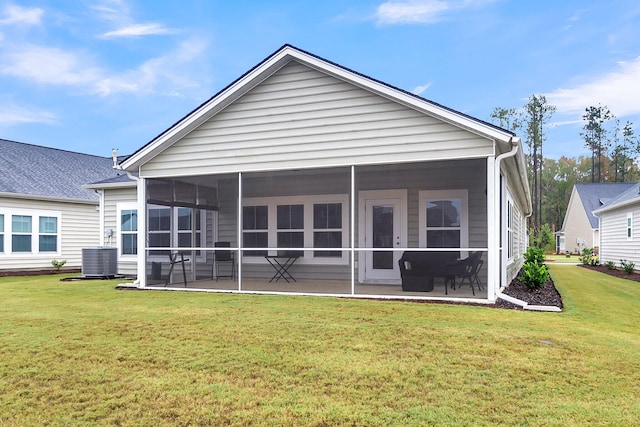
x=467, y=269
x=223, y=257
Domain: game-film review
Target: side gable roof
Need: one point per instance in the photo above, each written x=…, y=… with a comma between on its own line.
x=36, y=171
x=629, y=196
x=594, y=196
x=275, y=62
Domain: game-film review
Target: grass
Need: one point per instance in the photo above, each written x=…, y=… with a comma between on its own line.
x=562, y=259
x=83, y=353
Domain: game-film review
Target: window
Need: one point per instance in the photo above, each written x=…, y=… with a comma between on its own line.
x=21, y=233
x=255, y=229
x=293, y=222
x=443, y=219
x=48, y=234
x=29, y=231
x=510, y=228
x=327, y=229
x=184, y=219
x=290, y=228
x=129, y=232
x=629, y=226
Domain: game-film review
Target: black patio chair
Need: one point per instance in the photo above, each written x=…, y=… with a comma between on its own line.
x=223, y=257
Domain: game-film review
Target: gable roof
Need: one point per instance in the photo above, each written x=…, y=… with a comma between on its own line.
x=629, y=196
x=596, y=195
x=34, y=171
x=279, y=59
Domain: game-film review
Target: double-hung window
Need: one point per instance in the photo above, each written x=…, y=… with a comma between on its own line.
x=21, y=233
x=327, y=229
x=188, y=219
x=48, y=234
x=159, y=229
x=255, y=229
x=128, y=231
x=290, y=228
x=298, y=225
x=175, y=227
x=443, y=219
x=630, y=226
x=510, y=228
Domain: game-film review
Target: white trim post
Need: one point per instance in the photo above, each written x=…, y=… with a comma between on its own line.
x=142, y=232
x=493, y=253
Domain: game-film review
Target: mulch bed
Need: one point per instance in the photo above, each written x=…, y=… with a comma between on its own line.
x=615, y=272
x=547, y=294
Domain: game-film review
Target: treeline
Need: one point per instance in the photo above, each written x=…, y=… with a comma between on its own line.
x=615, y=150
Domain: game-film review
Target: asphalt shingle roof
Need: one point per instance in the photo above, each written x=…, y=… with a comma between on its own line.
x=632, y=193
x=41, y=171
x=594, y=196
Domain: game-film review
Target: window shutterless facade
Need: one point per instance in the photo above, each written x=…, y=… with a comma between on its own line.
x=128, y=229
x=630, y=226
x=29, y=232
x=175, y=227
x=443, y=219
x=306, y=222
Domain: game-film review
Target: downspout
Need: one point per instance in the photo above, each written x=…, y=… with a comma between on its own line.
x=100, y=194
x=500, y=259
x=522, y=172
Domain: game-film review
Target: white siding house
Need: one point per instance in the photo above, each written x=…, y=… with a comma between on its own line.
x=620, y=228
x=323, y=181
x=45, y=213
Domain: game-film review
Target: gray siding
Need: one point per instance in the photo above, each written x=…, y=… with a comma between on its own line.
x=299, y=118
x=112, y=197
x=615, y=245
x=78, y=228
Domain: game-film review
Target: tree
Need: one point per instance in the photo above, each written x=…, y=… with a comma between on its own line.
x=596, y=136
x=537, y=112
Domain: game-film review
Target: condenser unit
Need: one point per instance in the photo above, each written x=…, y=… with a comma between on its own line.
x=99, y=262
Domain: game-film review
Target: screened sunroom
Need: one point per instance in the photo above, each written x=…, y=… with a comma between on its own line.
x=409, y=229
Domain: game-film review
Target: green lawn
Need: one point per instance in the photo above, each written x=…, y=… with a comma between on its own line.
x=83, y=353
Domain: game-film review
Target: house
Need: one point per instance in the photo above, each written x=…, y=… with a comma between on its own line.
x=619, y=222
x=45, y=213
x=318, y=180
x=580, y=226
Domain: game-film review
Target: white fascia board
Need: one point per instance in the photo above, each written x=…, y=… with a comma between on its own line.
x=274, y=63
x=597, y=212
x=104, y=186
x=48, y=198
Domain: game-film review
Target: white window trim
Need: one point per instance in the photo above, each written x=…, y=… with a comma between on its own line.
x=174, y=232
x=131, y=206
x=510, y=228
x=629, y=227
x=35, y=215
x=461, y=194
x=308, y=202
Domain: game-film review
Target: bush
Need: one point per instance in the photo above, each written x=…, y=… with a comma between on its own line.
x=58, y=264
x=587, y=257
x=534, y=275
x=534, y=255
x=610, y=265
x=627, y=266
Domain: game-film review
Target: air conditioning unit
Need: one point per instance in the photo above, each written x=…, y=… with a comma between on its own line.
x=99, y=262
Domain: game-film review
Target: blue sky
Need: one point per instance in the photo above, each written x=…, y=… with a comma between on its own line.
x=90, y=76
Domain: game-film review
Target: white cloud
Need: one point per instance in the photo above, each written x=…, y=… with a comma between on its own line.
x=14, y=14
x=421, y=11
x=618, y=89
x=138, y=30
x=48, y=66
x=12, y=115
x=420, y=89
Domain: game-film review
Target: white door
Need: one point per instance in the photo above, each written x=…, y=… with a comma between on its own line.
x=384, y=227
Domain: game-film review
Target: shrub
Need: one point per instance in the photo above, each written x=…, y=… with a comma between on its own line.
x=627, y=266
x=587, y=257
x=58, y=264
x=610, y=265
x=534, y=255
x=534, y=275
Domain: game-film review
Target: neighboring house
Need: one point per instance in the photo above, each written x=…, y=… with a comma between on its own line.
x=45, y=214
x=620, y=227
x=580, y=226
x=333, y=171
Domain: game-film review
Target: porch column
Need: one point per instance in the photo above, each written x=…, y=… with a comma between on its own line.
x=352, y=202
x=142, y=231
x=493, y=211
x=239, y=229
